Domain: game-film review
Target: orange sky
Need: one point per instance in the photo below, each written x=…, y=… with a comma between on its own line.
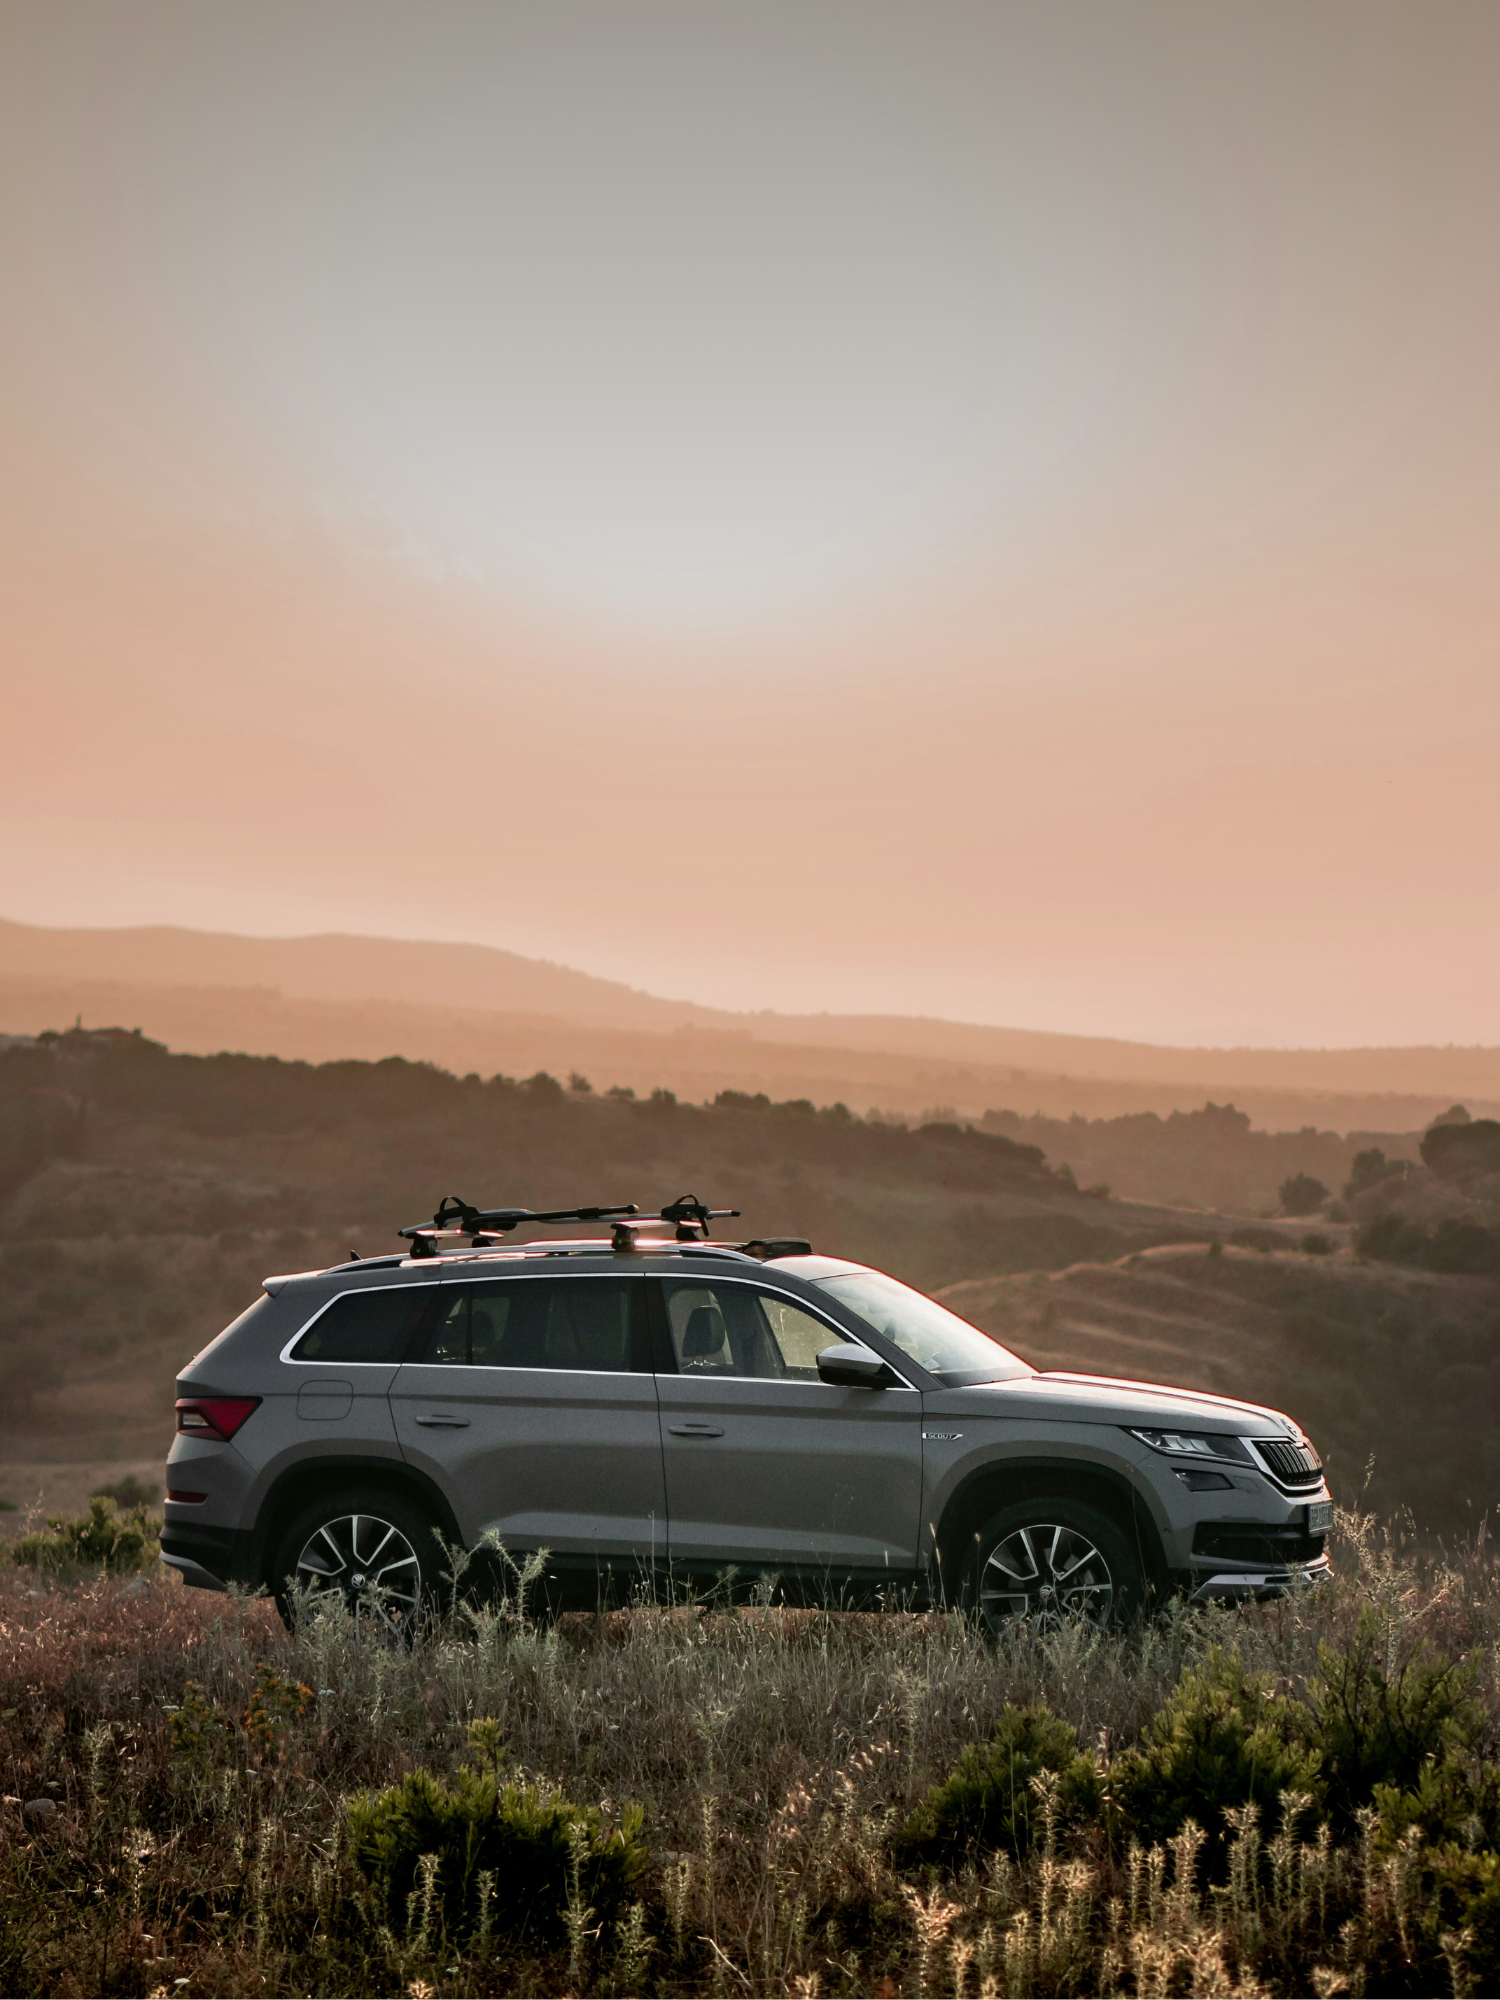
x=978, y=511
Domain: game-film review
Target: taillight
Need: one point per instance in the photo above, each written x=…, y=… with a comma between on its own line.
x=213, y=1416
x=179, y=1494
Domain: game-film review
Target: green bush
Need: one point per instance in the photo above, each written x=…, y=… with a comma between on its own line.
x=1374, y=1727
x=1454, y=1802
x=1463, y=1249
x=1223, y=1738
x=519, y=1833
x=1468, y=1887
x=1456, y=1247
x=1390, y=1239
x=1302, y=1194
x=130, y=1492
x=1370, y=1168
x=987, y=1801
x=103, y=1535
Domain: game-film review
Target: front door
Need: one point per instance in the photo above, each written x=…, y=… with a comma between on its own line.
x=534, y=1409
x=768, y=1466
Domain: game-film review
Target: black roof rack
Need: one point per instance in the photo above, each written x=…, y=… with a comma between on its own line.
x=456, y=1218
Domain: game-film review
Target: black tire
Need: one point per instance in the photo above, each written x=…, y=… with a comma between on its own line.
x=375, y=1551
x=1053, y=1558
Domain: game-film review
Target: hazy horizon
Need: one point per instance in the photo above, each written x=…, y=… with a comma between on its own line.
x=985, y=512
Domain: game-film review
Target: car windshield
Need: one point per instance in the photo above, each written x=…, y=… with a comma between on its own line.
x=938, y=1340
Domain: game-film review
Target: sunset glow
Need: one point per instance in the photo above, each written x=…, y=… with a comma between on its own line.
x=981, y=511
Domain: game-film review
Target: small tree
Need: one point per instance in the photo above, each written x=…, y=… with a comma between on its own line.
x=1301, y=1194
x=1453, y=1151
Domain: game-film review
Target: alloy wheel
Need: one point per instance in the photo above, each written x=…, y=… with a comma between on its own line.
x=1046, y=1573
x=368, y=1565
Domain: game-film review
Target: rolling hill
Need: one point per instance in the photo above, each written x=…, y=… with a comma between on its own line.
x=143, y=1196
x=473, y=1007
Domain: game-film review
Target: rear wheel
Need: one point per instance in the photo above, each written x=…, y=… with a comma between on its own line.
x=373, y=1553
x=1048, y=1560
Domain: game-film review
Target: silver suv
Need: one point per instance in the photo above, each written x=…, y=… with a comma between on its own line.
x=652, y=1407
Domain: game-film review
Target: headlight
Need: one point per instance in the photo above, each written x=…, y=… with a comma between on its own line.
x=1193, y=1444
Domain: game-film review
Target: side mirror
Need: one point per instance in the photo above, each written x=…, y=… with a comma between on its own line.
x=848, y=1366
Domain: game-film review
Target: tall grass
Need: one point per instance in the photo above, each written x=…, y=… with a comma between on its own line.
x=203, y=1762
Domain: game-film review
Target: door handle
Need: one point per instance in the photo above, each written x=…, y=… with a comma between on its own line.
x=445, y=1423
x=696, y=1430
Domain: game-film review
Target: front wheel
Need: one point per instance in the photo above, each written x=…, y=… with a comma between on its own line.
x=1048, y=1560
x=375, y=1554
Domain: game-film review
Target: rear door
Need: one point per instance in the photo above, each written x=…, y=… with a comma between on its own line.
x=534, y=1408
x=766, y=1464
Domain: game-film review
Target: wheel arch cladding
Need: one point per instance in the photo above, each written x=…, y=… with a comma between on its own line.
x=990, y=1487
x=301, y=1485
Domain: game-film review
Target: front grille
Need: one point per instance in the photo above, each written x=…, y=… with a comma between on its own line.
x=1292, y=1464
x=1250, y=1542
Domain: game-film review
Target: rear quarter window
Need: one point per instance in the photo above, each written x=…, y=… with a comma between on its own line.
x=258, y=1316
x=375, y=1325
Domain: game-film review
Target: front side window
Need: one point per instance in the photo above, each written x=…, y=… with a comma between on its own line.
x=597, y=1324
x=936, y=1339
x=734, y=1330
x=366, y=1326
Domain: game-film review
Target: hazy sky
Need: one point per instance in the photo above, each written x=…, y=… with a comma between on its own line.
x=977, y=510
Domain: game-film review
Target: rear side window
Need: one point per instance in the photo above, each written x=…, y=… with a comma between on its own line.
x=596, y=1324
x=367, y=1326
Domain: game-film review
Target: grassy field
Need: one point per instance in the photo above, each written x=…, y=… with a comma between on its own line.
x=710, y=1801
x=1300, y=1797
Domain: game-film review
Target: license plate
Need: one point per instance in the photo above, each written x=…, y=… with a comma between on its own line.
x=1320, y=1517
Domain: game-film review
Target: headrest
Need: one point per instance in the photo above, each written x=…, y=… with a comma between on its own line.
x=704, y=1333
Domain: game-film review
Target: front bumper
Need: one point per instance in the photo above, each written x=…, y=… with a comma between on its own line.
x=1247, y=1585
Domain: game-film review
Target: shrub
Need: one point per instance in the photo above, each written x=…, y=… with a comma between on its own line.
x=103, y=1535
x=987, y=1801
x=1390, y=1239
x=1456, y=1246
x=1370, y=1168
x=1373, y=1727
x=516, y=1833
x=1301, y=1194
x=1253, y=1237
x=276, y=1705
x=1451, y=1803
x=1469, y=1888
x=1223, y=1738
x=129, y=1492
x=1451, y=1150
x=1316, y=1244
x=196, y=1728
x=1463, y=1248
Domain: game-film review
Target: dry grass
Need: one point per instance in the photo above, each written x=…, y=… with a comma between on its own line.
x=774, y=1754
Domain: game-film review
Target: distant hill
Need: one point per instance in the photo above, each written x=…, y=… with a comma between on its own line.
x=476, y=1007
x=143, y=1196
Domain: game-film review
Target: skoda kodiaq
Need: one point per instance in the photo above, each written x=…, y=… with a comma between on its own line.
x=650, y=1405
